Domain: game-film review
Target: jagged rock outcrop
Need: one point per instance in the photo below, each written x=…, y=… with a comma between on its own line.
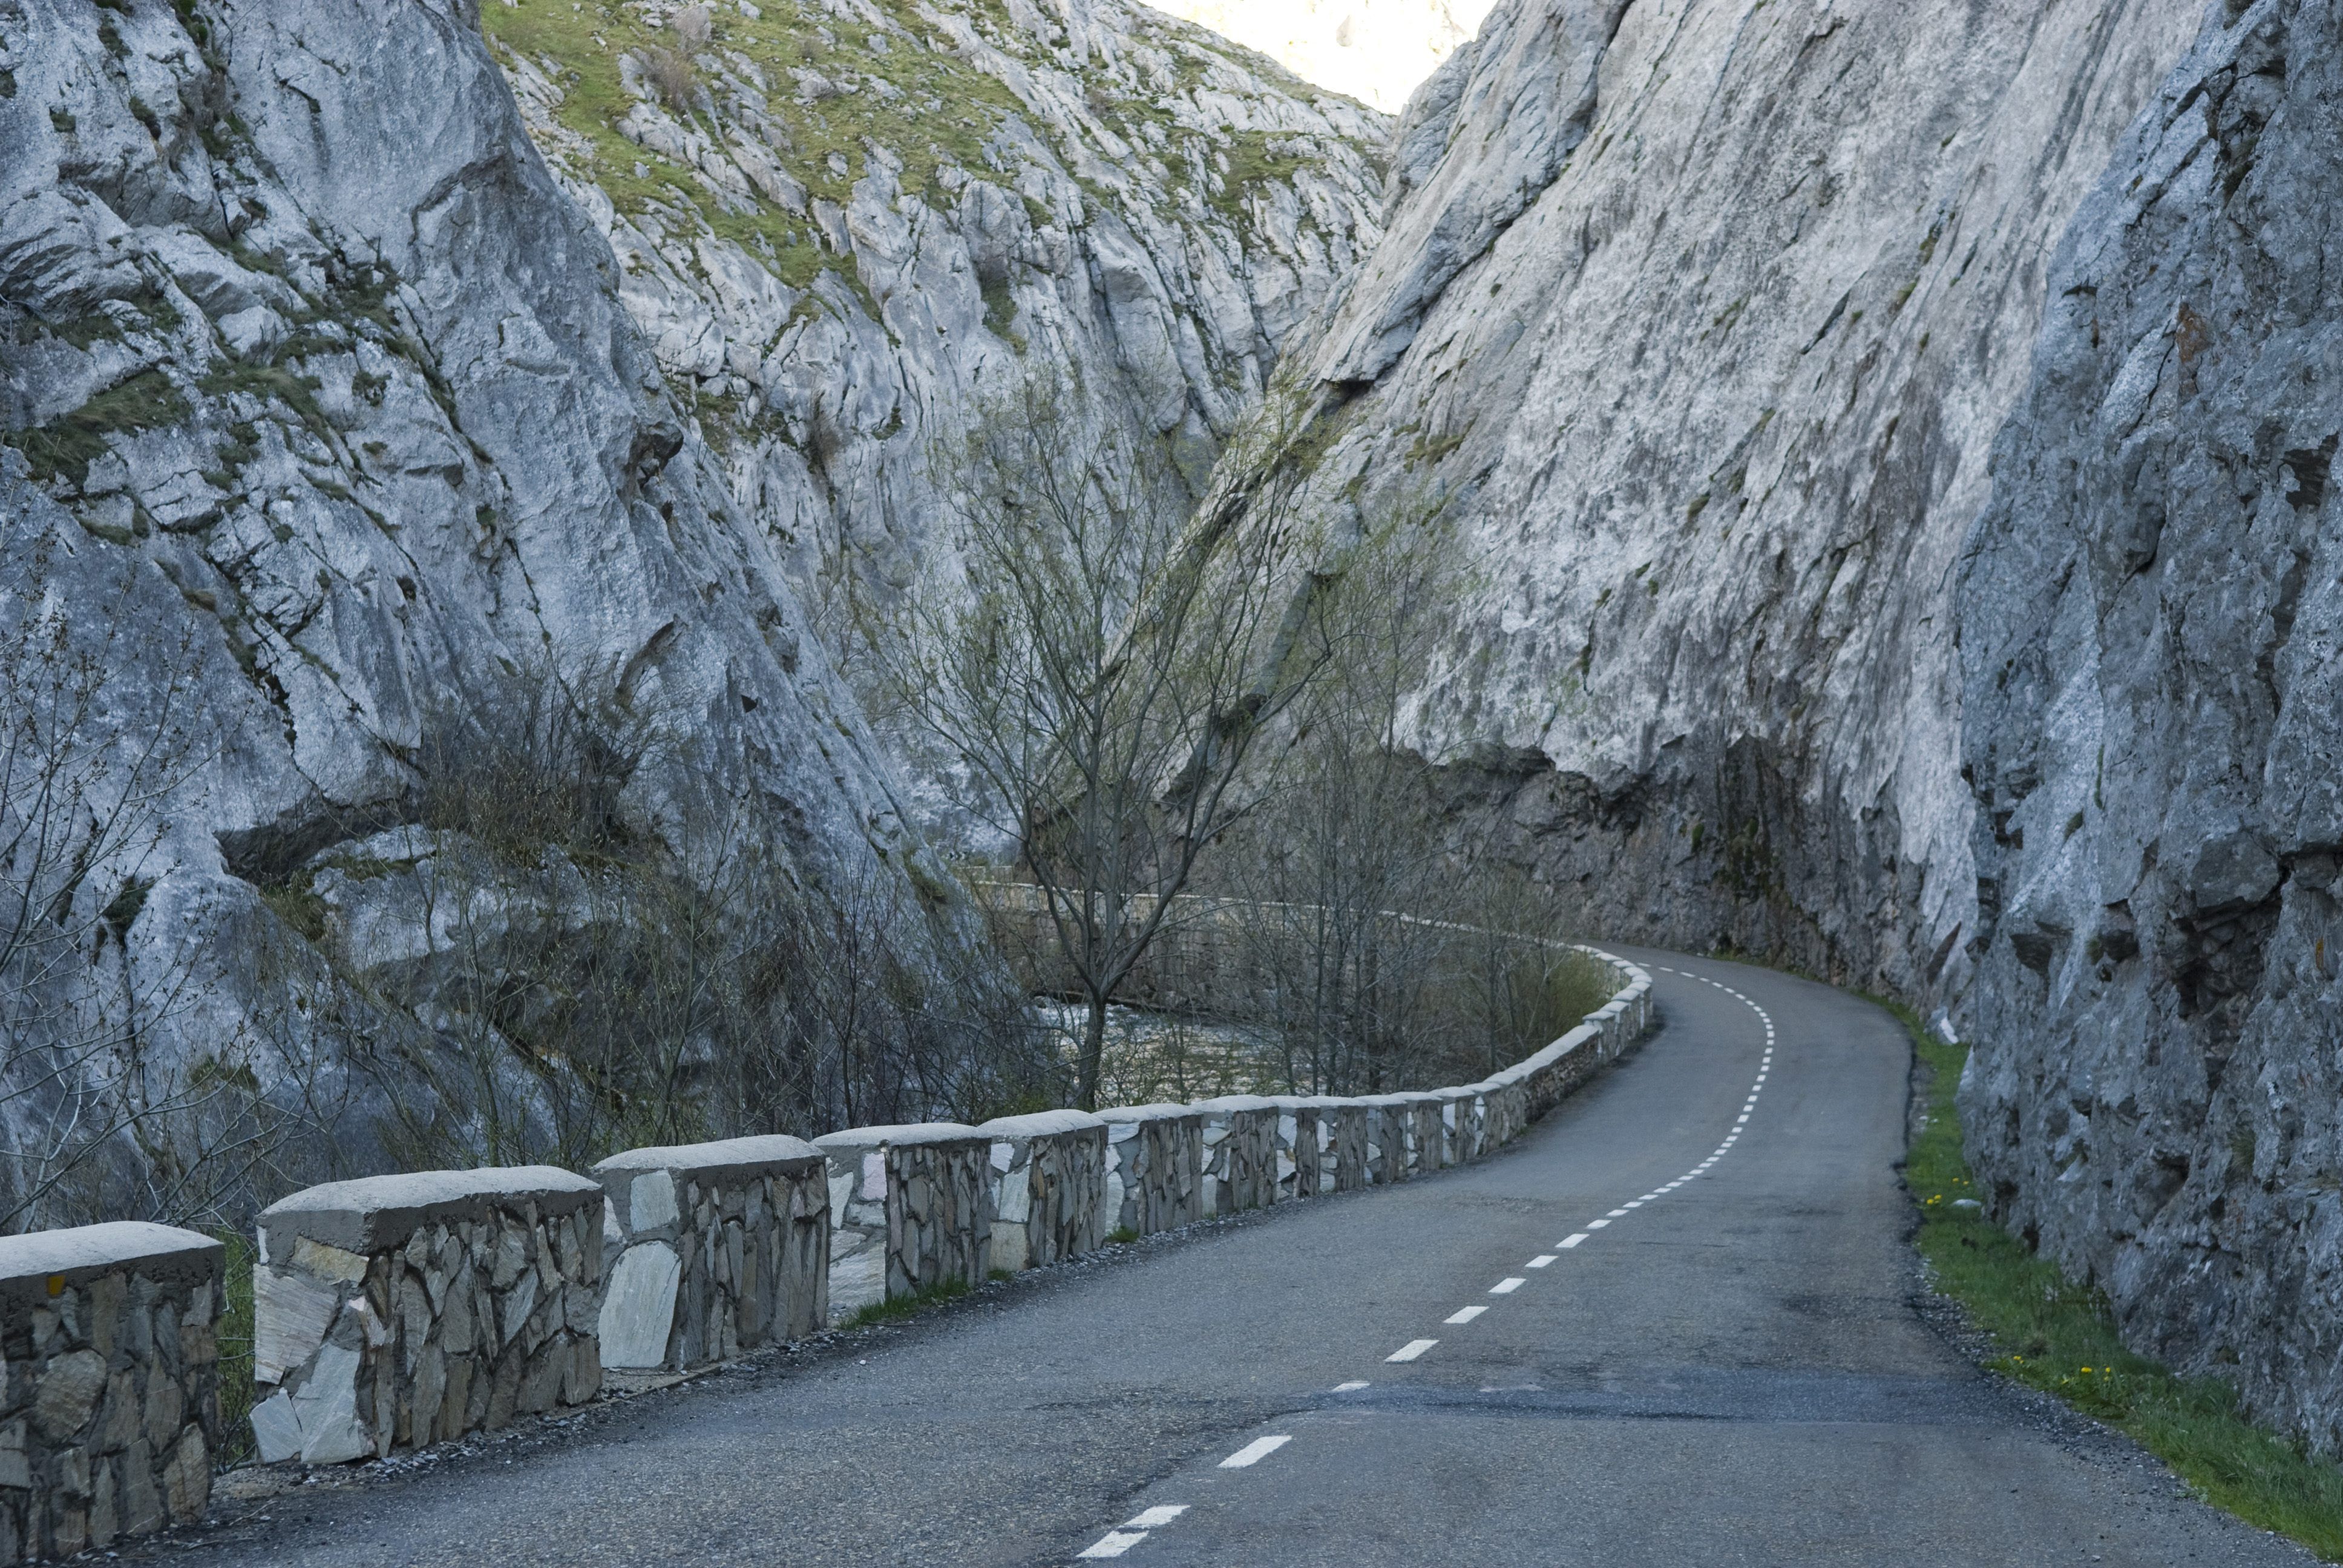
x=844, y=225
x=1697, y=320
x=333, y=453
x=2151, y=628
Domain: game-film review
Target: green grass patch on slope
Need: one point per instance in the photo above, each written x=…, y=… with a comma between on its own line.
x=895, y=1309
x=941, y=109
x=2052, y=1334
x=70, y=443
x=234, y=1334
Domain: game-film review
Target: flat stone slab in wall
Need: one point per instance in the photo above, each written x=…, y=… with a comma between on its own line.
x=109, y=1388
x=721, y=1247
x=395, y=1311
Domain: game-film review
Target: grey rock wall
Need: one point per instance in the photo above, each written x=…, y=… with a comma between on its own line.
x=324, y=403
x=870, y=216
x=1697, y=319
x=2151, y=617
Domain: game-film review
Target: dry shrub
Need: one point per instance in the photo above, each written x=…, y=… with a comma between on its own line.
x=672, y=77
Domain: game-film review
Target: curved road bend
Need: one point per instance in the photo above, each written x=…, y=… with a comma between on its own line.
x=1726, y=1368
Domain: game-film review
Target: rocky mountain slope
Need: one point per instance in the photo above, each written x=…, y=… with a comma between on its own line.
x=843, y=226
x=1697, y=319
x=2151, y=627
x=331, y=451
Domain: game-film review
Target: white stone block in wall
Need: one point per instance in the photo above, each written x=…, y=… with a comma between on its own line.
x=639, y=1306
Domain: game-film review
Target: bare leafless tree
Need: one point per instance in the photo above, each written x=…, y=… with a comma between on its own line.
x=1102, y=680
x=97, y=734
x=1378, y=954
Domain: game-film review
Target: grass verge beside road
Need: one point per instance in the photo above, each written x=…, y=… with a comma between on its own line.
x=2052, y=1334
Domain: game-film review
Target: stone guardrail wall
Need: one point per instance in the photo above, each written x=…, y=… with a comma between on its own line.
x=712, y=1249
x=394, y=1312
x=1239, y=1145
x=109, y=1401
x=400, y=1310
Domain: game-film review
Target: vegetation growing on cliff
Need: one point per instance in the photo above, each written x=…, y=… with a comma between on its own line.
x=824, y=99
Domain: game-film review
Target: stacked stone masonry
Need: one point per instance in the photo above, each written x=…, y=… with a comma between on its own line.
x=712, y=1249
x=910, y=1209
x=1238, y=1144
x=109, y=1403
x=396, y=1311
x=1297, y=1148
x=1049, y=1190
x=1154, y=1167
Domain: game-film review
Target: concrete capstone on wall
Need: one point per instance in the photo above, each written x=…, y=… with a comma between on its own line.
x=722, y=1247
x=395, y=1311
x=109, y=1403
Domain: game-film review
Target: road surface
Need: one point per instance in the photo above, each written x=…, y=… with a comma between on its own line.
x=1672, y=1324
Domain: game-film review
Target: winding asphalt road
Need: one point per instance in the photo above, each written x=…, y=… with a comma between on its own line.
x=1725, y=1367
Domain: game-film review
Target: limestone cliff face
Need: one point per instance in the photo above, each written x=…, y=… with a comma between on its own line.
x=333, y=443
x=842, y=224
x=2151, y=629
x=1699, y=319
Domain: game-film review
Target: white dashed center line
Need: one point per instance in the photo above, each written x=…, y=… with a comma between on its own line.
x=1253, y=1452
x=1122, y=1539
x=1115, y=1543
